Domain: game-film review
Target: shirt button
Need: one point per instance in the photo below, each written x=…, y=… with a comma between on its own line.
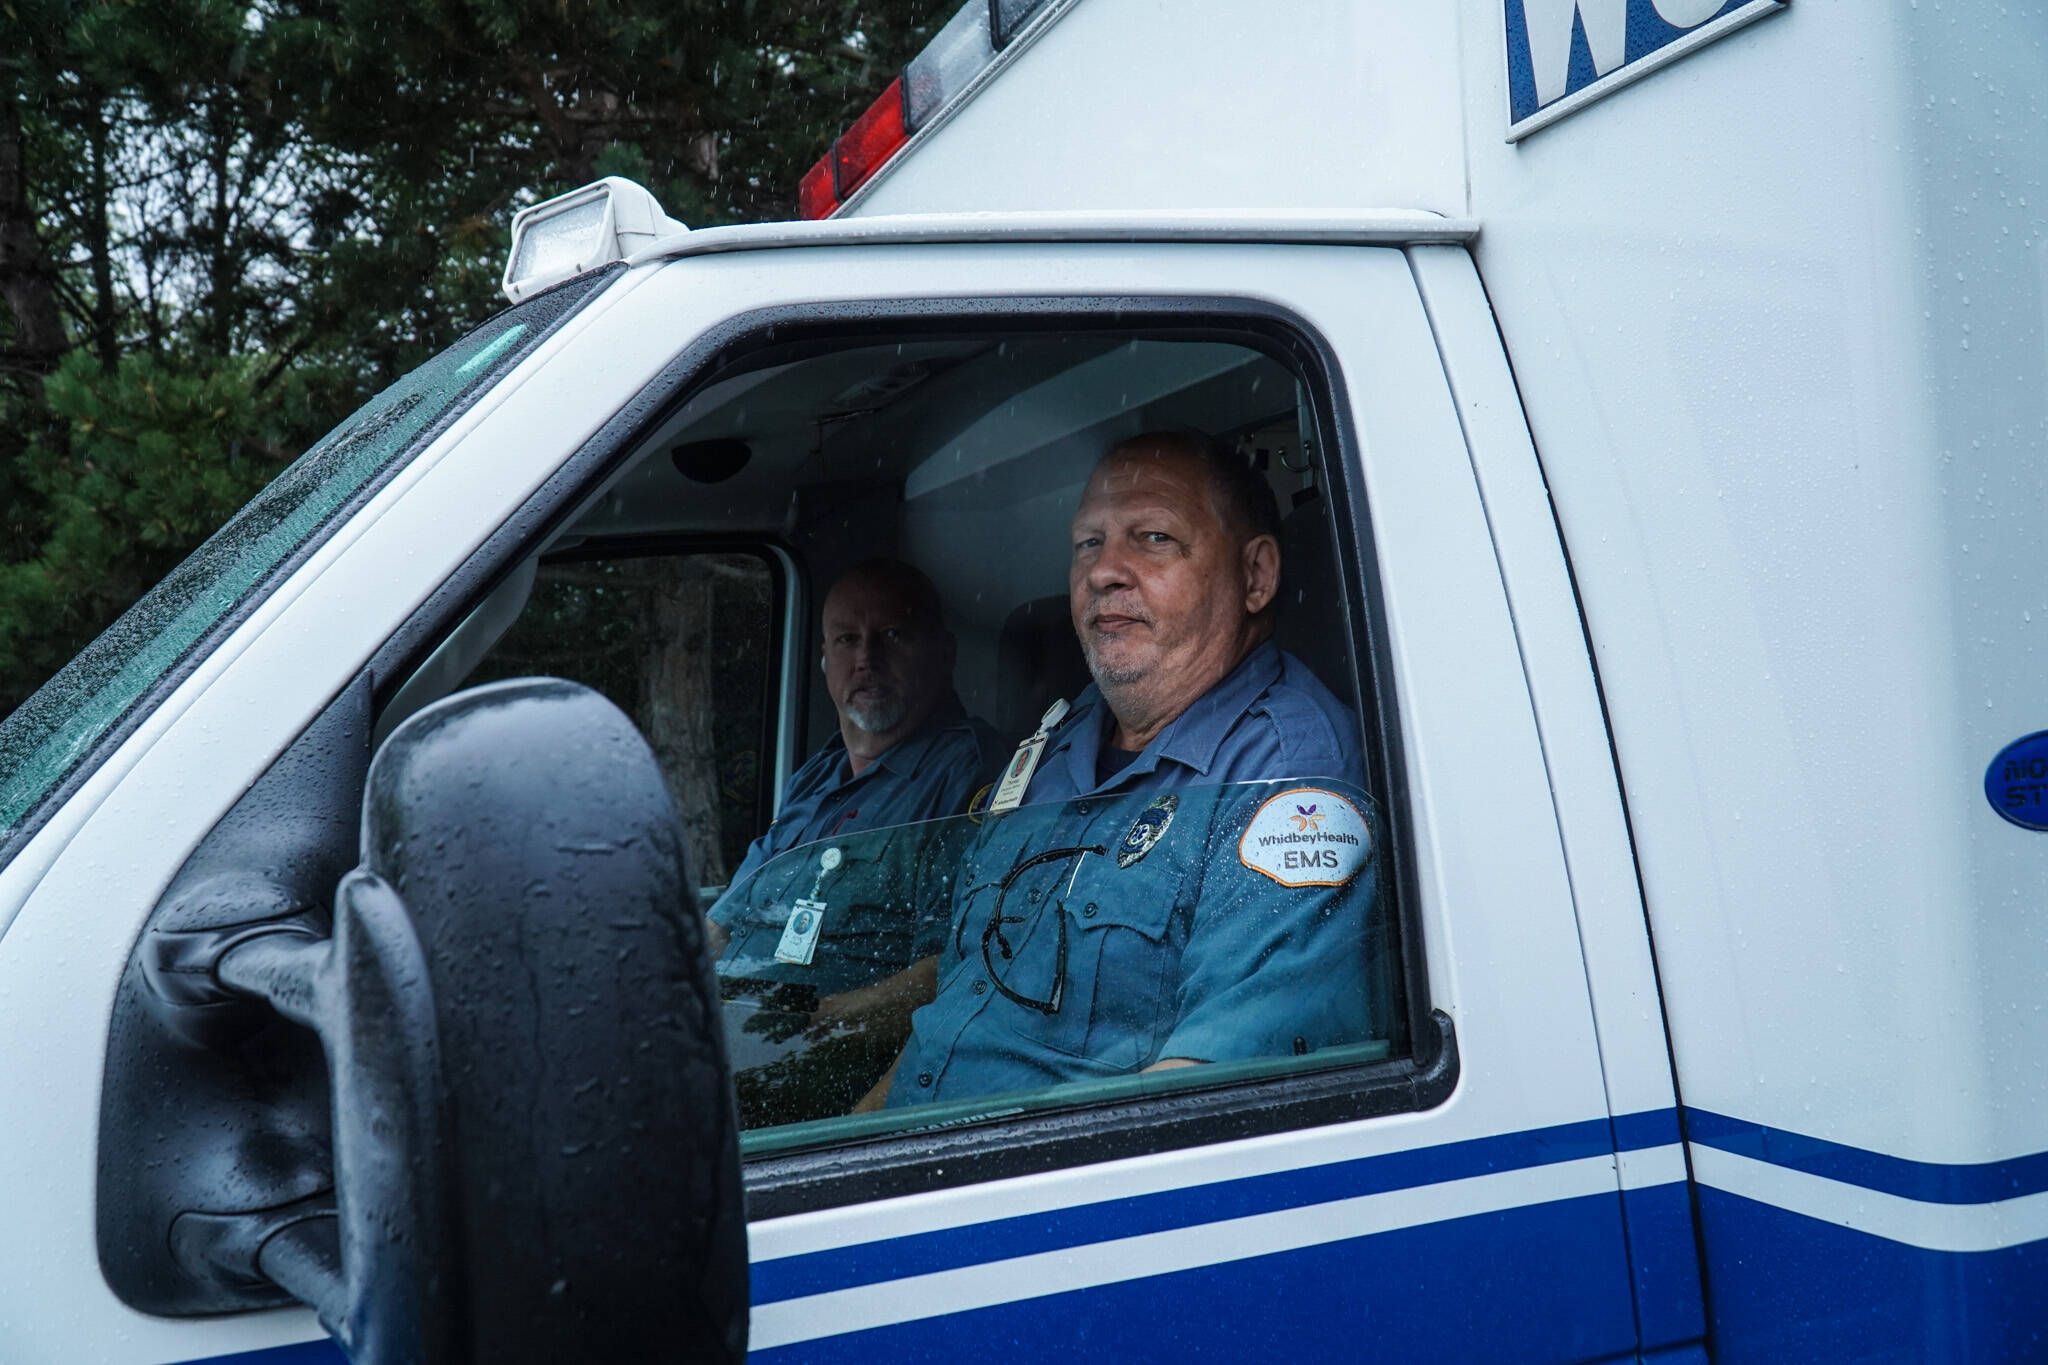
x=924, y=1078
x=1089, y=913
x=980, y=986
x=1034, y=895
x=1082, y=807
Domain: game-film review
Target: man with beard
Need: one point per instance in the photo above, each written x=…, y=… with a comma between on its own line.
x=822, y=916
x=1193, y=870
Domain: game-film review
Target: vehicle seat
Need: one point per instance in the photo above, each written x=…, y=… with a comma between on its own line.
x=1311, y=623
x=1038, y=658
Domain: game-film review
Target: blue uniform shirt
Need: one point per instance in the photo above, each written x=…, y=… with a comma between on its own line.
x=869, y=929
x=1211, y=900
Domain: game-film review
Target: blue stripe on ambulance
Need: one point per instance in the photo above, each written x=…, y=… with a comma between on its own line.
x=1253, y=1266
x=868, y=1263
x=1926, y=1181
x=1468, y=1288
x=321, y=1352
x=1771, y=1269
x=1936, y=1260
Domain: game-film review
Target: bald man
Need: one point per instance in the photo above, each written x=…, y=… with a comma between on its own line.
x=1188, y=865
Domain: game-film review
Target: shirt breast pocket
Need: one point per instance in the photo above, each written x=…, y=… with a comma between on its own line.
x=1124, y=941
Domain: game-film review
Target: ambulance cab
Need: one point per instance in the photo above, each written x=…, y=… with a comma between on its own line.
x=1649, y=398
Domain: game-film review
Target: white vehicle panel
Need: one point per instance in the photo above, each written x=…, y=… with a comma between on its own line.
x=1496, y=909
x=1786, y=389
x=1552, y=640
x=1080, y=120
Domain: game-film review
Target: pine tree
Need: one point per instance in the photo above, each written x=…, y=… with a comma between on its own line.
x=224, y=224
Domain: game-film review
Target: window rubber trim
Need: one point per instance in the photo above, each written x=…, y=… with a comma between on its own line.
x=909, y=1161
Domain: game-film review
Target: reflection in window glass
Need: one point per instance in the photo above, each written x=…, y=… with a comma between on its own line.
x=684, y=645
x=948, y=920
x=1082, y=941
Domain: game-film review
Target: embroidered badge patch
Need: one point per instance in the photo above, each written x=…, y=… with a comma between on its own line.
x=1147, y=830
x=1307, y=837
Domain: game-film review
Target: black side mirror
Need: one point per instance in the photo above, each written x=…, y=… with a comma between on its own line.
x=523, y=1146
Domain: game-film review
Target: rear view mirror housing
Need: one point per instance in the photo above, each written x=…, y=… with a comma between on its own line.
x=513, y=1139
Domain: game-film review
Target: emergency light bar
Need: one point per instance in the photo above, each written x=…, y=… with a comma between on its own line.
x=575, y=233
x=935, y=83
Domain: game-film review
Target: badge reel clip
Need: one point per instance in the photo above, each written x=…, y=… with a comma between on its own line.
x=807, y=918
x=1010, y=792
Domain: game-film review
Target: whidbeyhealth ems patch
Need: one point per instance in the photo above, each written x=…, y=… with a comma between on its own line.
x=1307, y=837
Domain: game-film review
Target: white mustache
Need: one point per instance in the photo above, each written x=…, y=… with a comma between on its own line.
x=1101, y=607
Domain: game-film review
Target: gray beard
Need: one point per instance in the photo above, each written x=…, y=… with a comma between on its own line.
x=878, y=718
x=1107, y=678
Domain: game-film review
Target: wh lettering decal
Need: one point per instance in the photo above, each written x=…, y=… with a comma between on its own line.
x=1564, y=54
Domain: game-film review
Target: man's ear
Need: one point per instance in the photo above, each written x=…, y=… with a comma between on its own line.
x=1261, y=562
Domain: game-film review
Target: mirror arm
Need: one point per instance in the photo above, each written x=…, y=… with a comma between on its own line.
x=363, y=1262
x=285, y=967
x=224, y=1249
x=285, y=964
x=305, y=1259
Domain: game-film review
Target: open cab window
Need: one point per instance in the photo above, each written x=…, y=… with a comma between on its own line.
x=906, y=942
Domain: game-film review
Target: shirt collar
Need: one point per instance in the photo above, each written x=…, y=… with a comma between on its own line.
x=1190, y=738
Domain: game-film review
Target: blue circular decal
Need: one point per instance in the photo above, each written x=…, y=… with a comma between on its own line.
x=2016, y=783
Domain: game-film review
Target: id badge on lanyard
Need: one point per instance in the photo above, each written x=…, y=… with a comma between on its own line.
x=800, y=935
x=1010, y=791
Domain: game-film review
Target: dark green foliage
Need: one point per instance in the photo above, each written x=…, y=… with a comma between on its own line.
x=225, y=224
x=155, y=455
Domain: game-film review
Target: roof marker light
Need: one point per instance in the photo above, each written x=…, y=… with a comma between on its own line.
x=1007, y=18
x=858, y=153
x=955, y=55
x=575, y=233
x=814, y=196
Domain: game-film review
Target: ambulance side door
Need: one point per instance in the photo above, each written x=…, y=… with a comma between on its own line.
x=1459, y=1200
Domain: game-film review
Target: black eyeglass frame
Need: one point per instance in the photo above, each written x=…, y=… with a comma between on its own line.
x=997, y=919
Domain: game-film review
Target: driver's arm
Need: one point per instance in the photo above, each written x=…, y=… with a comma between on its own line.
x=879, y=1096
x=882, y=1005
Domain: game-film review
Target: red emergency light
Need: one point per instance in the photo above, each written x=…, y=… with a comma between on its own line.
x=957, y=59
x=874, y=137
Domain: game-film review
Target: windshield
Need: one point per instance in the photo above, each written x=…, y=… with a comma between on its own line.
x=82, y=709
x=1084, y=949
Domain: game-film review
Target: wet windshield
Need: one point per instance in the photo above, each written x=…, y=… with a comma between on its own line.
x=947, y=968
x=50, y=736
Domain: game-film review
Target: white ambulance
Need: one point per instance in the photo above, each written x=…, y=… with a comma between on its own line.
x=1656, y=394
